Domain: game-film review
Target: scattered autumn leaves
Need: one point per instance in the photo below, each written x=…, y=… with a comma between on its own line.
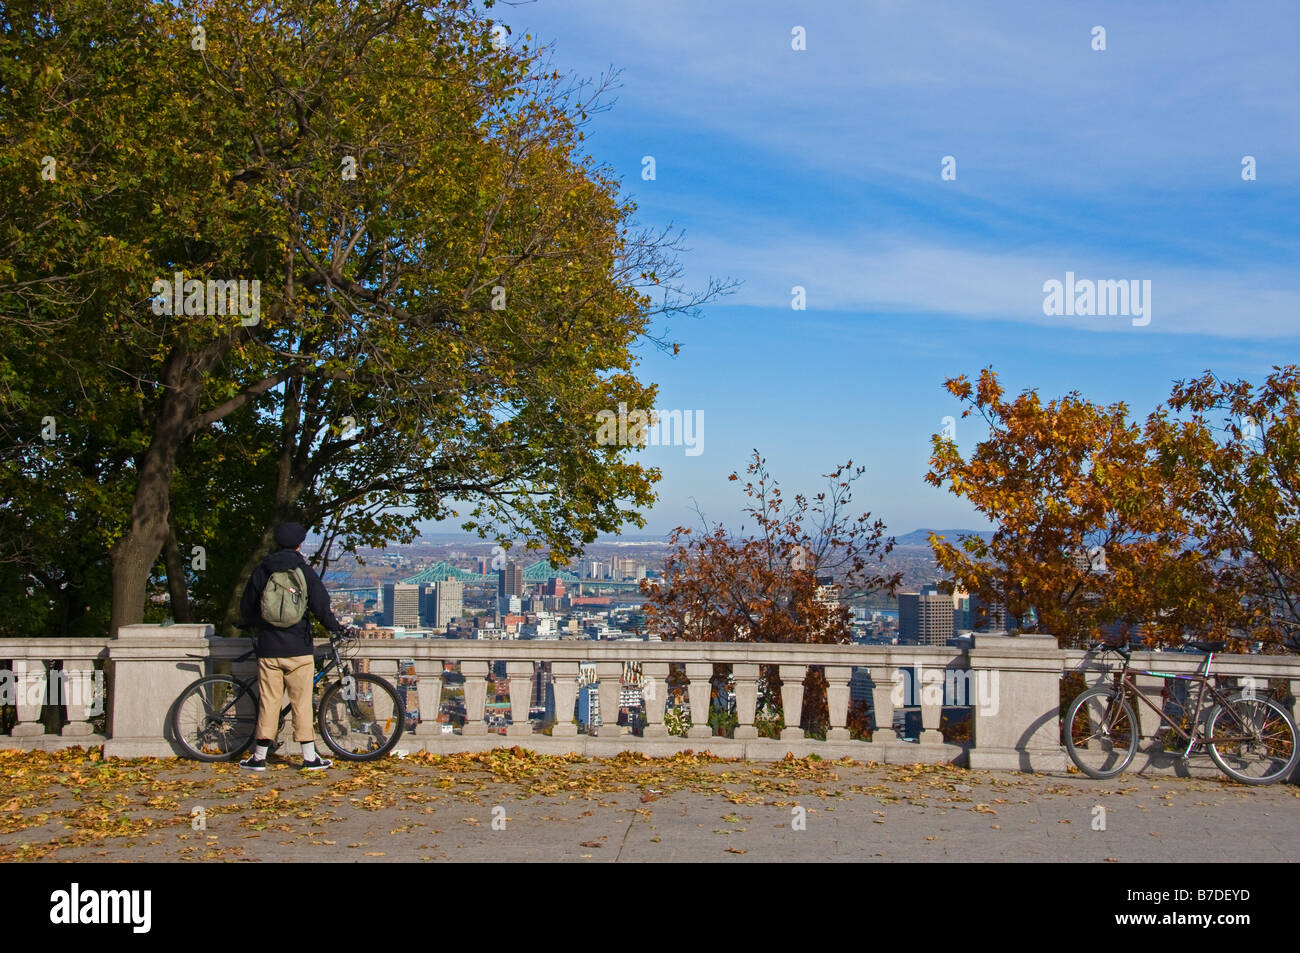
x=75, y=803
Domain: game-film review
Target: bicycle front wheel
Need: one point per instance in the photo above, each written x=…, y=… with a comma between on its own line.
x=1101, y=732
x=361, y=718
x=215, y=718
x=1252, y=739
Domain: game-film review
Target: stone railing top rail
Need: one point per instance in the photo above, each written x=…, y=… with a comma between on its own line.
x=54, y=648
x=1185, y=663
x=634, y=651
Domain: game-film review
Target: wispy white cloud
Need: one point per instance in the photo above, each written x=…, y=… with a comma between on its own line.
x=1182, y=91
x=895, y=274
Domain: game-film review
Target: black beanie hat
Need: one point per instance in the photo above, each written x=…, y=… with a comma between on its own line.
x=290, y=535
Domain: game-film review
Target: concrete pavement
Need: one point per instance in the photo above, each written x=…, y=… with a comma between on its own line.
x=504, y=806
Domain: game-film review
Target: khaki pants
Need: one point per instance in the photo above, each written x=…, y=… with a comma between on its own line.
x=274, y=675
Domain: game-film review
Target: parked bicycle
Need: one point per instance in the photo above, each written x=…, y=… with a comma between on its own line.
x=360, y=716
x=1248, y=734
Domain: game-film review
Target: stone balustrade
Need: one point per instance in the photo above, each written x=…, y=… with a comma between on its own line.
x=1011, y=686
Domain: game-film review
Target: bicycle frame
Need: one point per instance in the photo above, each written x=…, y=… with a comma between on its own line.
x=332, y=661
x=1129, y=688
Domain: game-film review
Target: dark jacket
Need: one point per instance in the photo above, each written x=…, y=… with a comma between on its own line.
x=295, y=640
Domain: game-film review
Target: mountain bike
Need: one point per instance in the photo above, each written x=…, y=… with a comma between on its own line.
x=1248, y=734
x=360, y=716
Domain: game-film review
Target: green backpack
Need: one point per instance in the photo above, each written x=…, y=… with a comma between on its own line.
x=284, y=600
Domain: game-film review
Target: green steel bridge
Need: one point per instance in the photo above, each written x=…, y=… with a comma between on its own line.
x=538, y=572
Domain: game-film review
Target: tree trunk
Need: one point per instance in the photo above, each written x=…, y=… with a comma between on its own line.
x=135, y=553
x=177, y=584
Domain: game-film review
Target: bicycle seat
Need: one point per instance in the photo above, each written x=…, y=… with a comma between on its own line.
x=1207, y=646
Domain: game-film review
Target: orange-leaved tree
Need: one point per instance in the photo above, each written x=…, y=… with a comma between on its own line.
x=1091, y=531
x=1241, y=443
x=774, y=583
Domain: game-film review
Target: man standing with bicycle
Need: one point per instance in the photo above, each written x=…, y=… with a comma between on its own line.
x=280, y=593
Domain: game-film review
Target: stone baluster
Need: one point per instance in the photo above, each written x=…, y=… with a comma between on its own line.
x=883, y=679
x=745, y=676
x=79, y=684
x=609, y=678
x=655, y=675
x=700, y=690
x=475, y=673
x=564, y=676
x=792, y=678
x=429, y=692
x=29, y=685
x=930, y=689
x=837, y=700
x=521, y=695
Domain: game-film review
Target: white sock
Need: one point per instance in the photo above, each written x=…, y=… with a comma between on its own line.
x=309, y=751
x=259, y=753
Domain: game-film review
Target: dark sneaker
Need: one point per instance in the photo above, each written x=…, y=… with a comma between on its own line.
x=320, y=764
x=253, y=763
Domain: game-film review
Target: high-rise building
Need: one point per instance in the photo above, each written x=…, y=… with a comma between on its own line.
x=986, y=616
x=589, y=706
x=542, y=680
x=961, y=610
x=510, y=582
x=442, y=602
x=925, y=617
x=402, y=605
x=623, y=567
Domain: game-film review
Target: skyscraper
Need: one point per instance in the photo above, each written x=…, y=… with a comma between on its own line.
x=987, y=617
x=510, y=582
x=402, y=605
x=442, y=602
x=925, y=618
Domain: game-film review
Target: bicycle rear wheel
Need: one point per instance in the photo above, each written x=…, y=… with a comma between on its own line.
x=1101, y=732
x=361, y=722
x=215, y=718
x=1252, y=740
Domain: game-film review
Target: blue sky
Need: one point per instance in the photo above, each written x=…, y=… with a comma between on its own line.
x=821, y=168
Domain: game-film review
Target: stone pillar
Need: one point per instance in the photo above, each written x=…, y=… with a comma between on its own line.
x=564, y=684
x=745, y=676
x=475, y=696
x=792, y=677
x=609, y=678
x=837, y=700
x=152, y=665
x=700, y=675
x=521, y=693
x=1017, y=720
x=882, y=702
x=1152, y=688
x=655, y=695
x=79, y=696
x=29, y=684
x=429, y=692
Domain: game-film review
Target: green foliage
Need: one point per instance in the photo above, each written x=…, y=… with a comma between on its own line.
x=383, y=385
x=677, y=721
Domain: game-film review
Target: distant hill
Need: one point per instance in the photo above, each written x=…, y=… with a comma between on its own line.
x=921, y=537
